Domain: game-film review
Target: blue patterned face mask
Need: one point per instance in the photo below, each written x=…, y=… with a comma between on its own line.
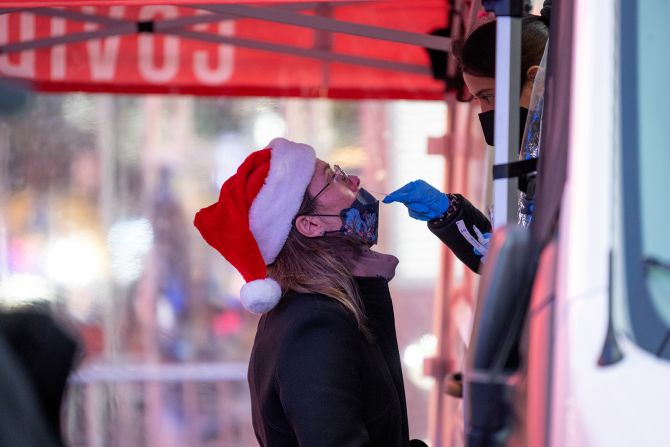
x=361, y=220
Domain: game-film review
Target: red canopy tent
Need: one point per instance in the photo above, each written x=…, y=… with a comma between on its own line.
x=334, y=49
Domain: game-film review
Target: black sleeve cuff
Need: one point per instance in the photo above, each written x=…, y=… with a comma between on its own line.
x=459, y=240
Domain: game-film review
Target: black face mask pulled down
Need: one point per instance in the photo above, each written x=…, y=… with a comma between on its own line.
x=487, y=120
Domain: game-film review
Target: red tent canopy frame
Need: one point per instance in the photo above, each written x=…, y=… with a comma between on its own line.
x=335, y=49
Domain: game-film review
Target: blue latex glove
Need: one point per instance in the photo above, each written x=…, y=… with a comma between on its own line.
x=422, y=200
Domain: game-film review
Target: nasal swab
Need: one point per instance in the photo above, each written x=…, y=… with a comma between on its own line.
x=378, y=193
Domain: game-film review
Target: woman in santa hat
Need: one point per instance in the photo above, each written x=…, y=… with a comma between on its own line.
x=325, y=368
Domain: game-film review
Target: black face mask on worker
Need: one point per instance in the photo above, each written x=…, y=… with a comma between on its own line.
x=487, y=120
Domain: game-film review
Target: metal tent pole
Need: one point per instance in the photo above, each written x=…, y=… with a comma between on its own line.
x=506, y=141
x=508, y=91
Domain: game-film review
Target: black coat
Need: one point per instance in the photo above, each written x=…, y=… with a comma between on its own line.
x=36, y=357
x=316, y=381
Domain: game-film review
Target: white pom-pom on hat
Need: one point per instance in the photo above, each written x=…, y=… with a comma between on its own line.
x=260, y=295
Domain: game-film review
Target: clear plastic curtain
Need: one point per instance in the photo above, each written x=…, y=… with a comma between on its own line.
x=532, y=135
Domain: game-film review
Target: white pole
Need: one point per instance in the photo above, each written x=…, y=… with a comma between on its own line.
x=508, y=91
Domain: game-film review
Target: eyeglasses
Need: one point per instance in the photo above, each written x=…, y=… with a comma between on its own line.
x=338, y=174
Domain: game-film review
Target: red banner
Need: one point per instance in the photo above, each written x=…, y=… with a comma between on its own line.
x=236, y=56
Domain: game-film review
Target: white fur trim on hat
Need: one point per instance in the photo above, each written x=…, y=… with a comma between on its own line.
x=261, y=295
x=276, y=204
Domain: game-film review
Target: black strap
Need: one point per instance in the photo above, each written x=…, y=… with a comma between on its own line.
x=514, y=169
x=146, y=26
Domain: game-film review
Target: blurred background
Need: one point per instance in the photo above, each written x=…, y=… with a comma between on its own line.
x=98, y=194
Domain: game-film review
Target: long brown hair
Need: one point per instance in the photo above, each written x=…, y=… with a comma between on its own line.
x=320, y=265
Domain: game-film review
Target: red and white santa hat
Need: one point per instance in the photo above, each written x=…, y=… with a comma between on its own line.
x=251, y=221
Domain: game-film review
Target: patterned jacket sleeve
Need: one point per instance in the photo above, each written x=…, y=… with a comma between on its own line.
x=460, y=229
